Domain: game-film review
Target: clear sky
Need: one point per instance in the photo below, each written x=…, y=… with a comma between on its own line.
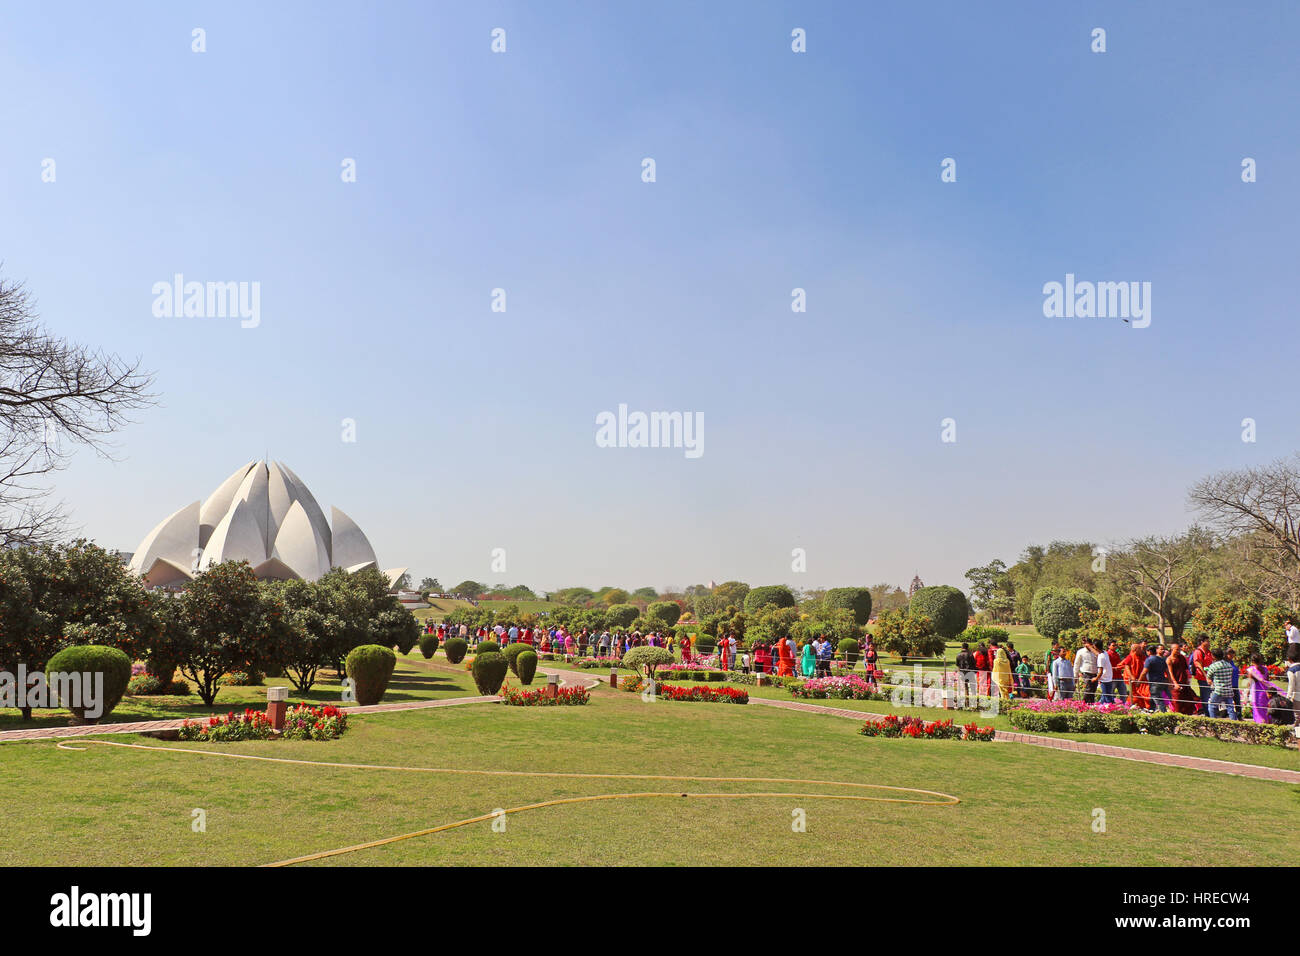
x=775, y=170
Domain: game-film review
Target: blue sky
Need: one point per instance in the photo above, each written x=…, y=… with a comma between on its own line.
x=775, y=170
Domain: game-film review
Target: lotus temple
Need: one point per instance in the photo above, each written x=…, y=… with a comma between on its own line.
x=262, y=514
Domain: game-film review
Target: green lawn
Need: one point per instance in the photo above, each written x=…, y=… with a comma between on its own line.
x=1020, y=804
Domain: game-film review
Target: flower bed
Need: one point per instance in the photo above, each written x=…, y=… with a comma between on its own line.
x=250, y=725
x=894, y=726
x=711, y=695
x=848, y=687
x=304, y=722
x=564, y=696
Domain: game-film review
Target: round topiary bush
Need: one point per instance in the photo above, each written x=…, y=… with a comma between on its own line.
x=490, y=671
x=761, y=597
x=455, y=649
x=369, y=667
x=512, y=653
x=526, y=666
x=91, y=659
x=848, y=650
x=1057, y=609
x=945, y=606
x=428, y=645
x=488, y=647
x=856, y=600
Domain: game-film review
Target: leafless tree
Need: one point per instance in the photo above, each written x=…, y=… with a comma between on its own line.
x=1259, y=508
x=55, y=396
x=1162, y=575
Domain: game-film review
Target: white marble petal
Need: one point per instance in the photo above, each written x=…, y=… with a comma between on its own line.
x=303, y=495
x=351, y=547
x=253, y=492
x=175, y=539
x=236, y=537
x=218, y=503
x=299, y=546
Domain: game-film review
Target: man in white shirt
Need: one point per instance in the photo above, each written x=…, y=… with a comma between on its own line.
x=1106, y=675
x=1292, y=642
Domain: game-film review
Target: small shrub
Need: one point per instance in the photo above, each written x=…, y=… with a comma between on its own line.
x=455, y=649
x=646, y=659
x=144, y=685
x=489, y=672
x=369, y=667
x=94, y=659
x=526, y=666
x=488, y=647
x=429, y=645
x=848, y=650
x=178, y=688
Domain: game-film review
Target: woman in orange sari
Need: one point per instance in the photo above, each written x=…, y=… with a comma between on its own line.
x=1139, y=693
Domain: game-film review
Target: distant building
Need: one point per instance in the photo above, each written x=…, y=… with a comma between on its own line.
x=915, y=586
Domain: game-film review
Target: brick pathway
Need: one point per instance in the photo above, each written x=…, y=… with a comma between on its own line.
x=1074, y=746
x=149, y=726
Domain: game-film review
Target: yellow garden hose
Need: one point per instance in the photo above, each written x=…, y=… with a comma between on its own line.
x=944, y=799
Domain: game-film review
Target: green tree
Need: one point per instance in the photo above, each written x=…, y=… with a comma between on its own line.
x=855, y=600
x=1058, y=609
x=224, y=621
x=945, y=606
x=470, y=589
x=760, y=597
x=662, y=615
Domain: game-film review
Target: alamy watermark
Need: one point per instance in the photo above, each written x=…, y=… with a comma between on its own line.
x=38, y=690
x=179, y=299
x=651, y=430
x=1098, y=300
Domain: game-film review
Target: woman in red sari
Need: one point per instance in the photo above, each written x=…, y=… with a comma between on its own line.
x=785, y=657
x=1139, y=694
x=762, y=658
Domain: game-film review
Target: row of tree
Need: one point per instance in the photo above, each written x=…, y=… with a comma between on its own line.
x=56, y=596
x=1242, y=561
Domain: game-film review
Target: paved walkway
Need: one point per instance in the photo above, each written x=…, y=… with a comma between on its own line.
x=1074, y=746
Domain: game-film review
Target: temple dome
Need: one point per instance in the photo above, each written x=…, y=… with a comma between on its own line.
x=262, y=514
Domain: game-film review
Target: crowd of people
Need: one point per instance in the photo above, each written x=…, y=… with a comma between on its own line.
x=1152, y=676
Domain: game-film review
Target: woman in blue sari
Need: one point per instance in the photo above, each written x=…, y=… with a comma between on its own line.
x=808, y=663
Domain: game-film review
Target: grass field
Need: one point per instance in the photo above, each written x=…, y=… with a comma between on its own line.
x=1019, y=804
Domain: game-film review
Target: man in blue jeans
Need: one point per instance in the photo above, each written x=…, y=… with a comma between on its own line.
x=1220, y=675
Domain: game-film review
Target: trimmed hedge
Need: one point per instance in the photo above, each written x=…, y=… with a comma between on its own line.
x=455, y=649
x=489, y=672
x=847, y=650
x=857, y=600
x=428, y=645
x=1152, y=722
x=488, y=647
x=945, y=606
x=526, y=666
x=512, y=652
x=94, y=659
x=369, y=667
